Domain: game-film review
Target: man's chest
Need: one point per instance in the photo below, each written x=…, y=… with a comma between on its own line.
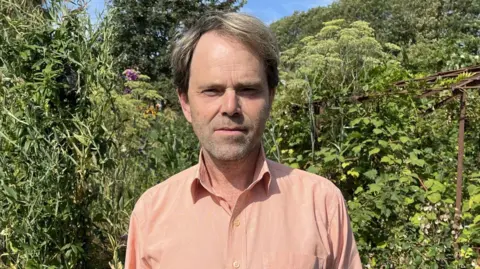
x=257, y=235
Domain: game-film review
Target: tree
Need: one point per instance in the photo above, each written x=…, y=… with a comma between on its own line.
x=290, y=29
x=144, y=30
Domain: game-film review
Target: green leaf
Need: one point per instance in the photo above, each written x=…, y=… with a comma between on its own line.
x=431, y=216
x=371, y=174
x=434, y=186
x=10, y=192
x=294, y=165
x=353, y=173
x=449, y=201
x=395, y=147
x=472, y=189
x=359, y=190
x=438, y=187
x=383, y=143
x=429, y=183
x=382, y=245
x=377, y=123
x=404, y=139
x=82, y=139
x=377, y=131
x=408, y=201
x=476, y=219
x=329, y=158
x=355, y=122
x=386, y=159
x=374, y=187
x=418, y=162
x=434, y=197
x=373, y=151
x=346, y=164
x=475, y=199
x=313, y=169
x=357, y=149
x=417, y=219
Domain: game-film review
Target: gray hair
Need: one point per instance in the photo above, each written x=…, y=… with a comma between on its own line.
x=245, y=28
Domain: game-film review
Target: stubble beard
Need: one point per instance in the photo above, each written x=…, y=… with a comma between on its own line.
x=233, y=148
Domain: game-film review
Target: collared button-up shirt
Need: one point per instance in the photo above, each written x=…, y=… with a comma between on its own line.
x=286, y=219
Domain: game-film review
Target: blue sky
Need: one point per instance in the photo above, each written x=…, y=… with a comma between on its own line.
x=267, y=10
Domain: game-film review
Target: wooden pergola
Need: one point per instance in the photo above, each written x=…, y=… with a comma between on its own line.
x=458, y=90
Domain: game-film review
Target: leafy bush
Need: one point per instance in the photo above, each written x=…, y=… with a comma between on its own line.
x=76, y=149
x=395, y=164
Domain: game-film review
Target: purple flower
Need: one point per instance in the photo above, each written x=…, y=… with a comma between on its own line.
x=131, y=74
x=127, y=90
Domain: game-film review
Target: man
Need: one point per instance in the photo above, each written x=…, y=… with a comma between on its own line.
x=236, y=209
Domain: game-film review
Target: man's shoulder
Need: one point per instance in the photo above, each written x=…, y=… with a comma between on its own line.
x=310, y=181
x=167, y=187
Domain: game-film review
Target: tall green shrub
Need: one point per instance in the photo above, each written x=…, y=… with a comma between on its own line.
x=55, y=90
x=395, y=164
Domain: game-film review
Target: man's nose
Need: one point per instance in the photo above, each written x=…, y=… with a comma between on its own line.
x=230, y=103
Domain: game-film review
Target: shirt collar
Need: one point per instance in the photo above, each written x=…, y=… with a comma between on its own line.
x=201, y=178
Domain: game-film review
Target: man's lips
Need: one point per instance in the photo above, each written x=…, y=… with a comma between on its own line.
x=230, y=130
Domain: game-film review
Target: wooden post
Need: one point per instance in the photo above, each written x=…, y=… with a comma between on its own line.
x=461, y=152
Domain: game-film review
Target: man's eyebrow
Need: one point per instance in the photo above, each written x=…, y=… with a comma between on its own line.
x=211, y=86
x=249, y=84
x=240, y=85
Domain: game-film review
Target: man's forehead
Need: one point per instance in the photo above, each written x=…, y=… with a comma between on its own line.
x=215, y=46
x=217, y=55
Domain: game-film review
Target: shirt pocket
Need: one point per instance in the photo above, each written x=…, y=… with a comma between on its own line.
x=291, y=260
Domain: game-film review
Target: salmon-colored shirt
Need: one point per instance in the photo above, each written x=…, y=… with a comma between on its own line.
x=287, y=218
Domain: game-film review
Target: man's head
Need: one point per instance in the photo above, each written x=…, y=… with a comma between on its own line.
x=225, y=71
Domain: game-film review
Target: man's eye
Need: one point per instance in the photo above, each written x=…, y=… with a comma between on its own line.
x=210, y=92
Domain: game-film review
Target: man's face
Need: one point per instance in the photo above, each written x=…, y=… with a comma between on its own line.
x=228, y=100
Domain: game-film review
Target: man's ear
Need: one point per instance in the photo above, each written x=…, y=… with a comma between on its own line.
x=183, y=99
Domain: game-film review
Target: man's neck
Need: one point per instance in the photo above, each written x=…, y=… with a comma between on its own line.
x=228, y=177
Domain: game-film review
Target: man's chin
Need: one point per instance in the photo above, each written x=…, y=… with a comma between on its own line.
x=230, y=153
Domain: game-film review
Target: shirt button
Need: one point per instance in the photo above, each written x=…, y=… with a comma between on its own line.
x=236, y=223
x=236, y=264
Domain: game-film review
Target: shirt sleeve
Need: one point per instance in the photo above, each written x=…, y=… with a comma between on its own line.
x=342, y=242
x=134, y=253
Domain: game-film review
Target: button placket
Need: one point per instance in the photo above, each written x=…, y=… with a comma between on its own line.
x=237, y=237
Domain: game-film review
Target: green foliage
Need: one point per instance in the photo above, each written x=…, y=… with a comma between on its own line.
x=292, y=28
x=395, y=164
x=77, y=150
x=433, y=35
x=144, y=30
x=55, y=145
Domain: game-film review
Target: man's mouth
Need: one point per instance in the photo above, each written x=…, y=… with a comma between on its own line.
x=231, y=130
